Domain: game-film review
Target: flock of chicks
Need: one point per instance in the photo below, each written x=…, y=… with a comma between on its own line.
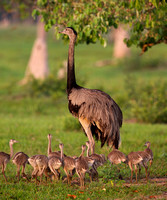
x=50, y=165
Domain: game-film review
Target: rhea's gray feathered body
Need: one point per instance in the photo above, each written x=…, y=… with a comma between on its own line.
x=149, y=151
x=116, y=157
x=20, y=159
x=40, y=165
x=82, y=165
x=5, y=157
x=147, y=156
x=97, y=112
x=68, y=164
x=133, y=159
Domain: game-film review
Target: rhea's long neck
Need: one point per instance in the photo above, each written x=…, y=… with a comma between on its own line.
x=62, y=156
x=87, y=154
x=82, y=153
x=11, y=150
x=49, y=146
x=71, y=82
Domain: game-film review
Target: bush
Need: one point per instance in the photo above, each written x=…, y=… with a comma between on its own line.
x=148, y=101
x=48, y=87
x=137, y=62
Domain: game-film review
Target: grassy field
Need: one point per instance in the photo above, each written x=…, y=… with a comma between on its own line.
x=29, y=119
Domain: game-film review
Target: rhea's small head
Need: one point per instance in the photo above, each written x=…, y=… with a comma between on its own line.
x=69, y=31
x=83, y=148
x=147, y=144
x=49, y=136
x=87, y=143
x=61, y=146
x=11, y=142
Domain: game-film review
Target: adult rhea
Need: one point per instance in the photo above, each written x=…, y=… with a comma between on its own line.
x=97, y=112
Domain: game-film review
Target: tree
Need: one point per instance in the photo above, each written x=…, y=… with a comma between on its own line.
x=38, y=62
x=120, y=48
x=92, y=19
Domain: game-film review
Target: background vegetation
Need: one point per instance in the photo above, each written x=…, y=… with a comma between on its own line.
x=29, y=113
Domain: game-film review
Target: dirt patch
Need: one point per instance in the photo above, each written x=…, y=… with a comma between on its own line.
x=158, y=181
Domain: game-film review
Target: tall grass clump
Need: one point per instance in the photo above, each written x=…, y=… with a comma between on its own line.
x=148, y=100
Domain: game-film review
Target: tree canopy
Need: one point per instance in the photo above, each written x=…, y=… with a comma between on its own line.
x=92, y=19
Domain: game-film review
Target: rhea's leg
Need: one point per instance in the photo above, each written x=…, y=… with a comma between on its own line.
x=139, y=170
x=35, y=175
x=54, y=172
x=3, y=171
x=23, y=172
x=90, y=176
x=150, y=167
x=86, y=126
x=146, y=167
x=82, y=181
x=68, y=176
x=94, y=171
x=18, y=172
x=136, y=172
x=131, y=168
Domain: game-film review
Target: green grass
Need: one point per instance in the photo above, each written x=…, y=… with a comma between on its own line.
x=29, y=120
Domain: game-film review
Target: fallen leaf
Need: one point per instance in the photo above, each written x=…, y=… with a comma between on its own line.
x=112, y=184
x=135, y=191
x=81, y=192
x=152, y=197
x=72, y=196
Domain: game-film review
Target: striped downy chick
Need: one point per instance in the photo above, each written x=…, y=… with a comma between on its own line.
x=146, y=158
x=42, y=162
x=40, y=165
x=20, y=159
x=99, y=160
x=68, y=164
x=5, y=157
x=149, y=151
x=32, y=162
x=55, y=162
x=50, y=152
x=133, y=158
x=116, y=157
x=82, y=167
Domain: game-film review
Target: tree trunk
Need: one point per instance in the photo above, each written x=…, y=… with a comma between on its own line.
x=120, y=48
x=38, y=62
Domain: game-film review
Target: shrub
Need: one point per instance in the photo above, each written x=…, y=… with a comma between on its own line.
x=148, y=101
x=48, y=87
x=137, y=62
